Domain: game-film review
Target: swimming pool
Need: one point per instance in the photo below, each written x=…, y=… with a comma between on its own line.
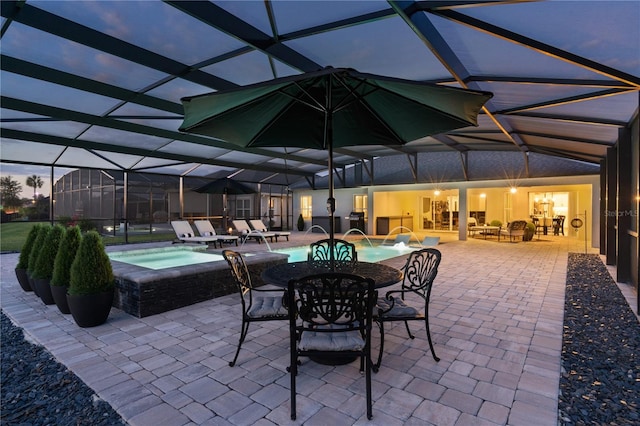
x=165, y=257
x=366, y=252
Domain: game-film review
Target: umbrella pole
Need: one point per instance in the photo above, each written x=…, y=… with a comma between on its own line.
x=331, y=201
x=224, y=211
x=328, y=137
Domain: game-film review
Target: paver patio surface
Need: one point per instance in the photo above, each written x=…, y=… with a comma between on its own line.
x=496, y=320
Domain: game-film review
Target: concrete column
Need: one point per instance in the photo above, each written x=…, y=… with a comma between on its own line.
x=463, y=214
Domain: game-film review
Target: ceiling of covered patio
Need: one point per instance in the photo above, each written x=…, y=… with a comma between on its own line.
x=98, y=83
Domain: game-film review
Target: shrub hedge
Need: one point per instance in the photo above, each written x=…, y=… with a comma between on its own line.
x=23, y=261
x=37, y=247
x=48, y=252
x=66, y=254
x=91, y=270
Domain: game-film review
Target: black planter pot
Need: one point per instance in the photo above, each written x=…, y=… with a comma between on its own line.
x=32, y=284
x=59, y=293
x=90, y=310
x=23, y=279
x=44, y=291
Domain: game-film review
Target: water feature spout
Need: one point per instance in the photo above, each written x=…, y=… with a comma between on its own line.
x=358, y=231
x=319, y=227
x=253, y=233
x=401, y=228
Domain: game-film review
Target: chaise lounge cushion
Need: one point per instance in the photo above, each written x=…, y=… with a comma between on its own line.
x=245, y=230
x=259, y=225
x=184, y=233
x=206, y=230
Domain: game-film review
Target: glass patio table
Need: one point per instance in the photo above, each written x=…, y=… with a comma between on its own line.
x=485, y=230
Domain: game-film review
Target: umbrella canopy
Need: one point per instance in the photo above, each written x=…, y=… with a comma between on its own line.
x=331, y=108
x=225, y=186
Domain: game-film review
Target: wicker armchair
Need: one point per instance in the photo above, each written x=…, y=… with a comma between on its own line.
x=514, y=230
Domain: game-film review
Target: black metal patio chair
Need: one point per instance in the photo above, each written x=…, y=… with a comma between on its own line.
x=420, y=270
x=345, y=253
x=257, y=304
x=330, y=318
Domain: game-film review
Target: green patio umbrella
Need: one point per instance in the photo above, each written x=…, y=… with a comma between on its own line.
x=331, y=108
x=225, y=186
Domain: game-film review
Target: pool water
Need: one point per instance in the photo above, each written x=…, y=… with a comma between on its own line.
x=163, y=258
x=176, y=256
x=366, y=253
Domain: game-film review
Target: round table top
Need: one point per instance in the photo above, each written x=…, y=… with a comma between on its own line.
x=280, y=275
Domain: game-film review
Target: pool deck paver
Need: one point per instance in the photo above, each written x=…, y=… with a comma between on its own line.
x=496, y=319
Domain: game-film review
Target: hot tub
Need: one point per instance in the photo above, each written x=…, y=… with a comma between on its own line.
x=148, y=281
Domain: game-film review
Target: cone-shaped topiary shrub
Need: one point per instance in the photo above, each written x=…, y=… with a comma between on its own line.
x=48, y=252
x=23, y=261
x=91, y=271
x=37, y=247
x=300, y=223
x=66, y=254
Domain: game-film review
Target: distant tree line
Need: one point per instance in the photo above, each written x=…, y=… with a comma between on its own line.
x=13, y=207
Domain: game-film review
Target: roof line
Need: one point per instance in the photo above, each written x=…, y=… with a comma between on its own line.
x=537, y=46
x=91, y=145
x=65, y=114
x=70, y=30
x=564, y=101
x=431, y=37
x=217, y=17
x=550, y=81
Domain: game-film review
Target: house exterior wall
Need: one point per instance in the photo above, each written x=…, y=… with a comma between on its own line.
x=405, y=200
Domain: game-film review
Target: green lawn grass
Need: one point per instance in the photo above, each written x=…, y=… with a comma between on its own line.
x=14, y=234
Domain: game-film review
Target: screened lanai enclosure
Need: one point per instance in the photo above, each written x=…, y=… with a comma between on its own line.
x=115, y=202
x=98, y=84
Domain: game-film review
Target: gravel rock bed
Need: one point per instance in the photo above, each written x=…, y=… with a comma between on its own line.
x=600, y=380
x=37, y=390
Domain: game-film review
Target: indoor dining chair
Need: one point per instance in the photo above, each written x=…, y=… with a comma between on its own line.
x=539, y=226
x=330, y=318
x=257, y=304
x=420, y=270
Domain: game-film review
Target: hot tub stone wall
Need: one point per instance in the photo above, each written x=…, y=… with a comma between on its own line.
x=142, y=292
